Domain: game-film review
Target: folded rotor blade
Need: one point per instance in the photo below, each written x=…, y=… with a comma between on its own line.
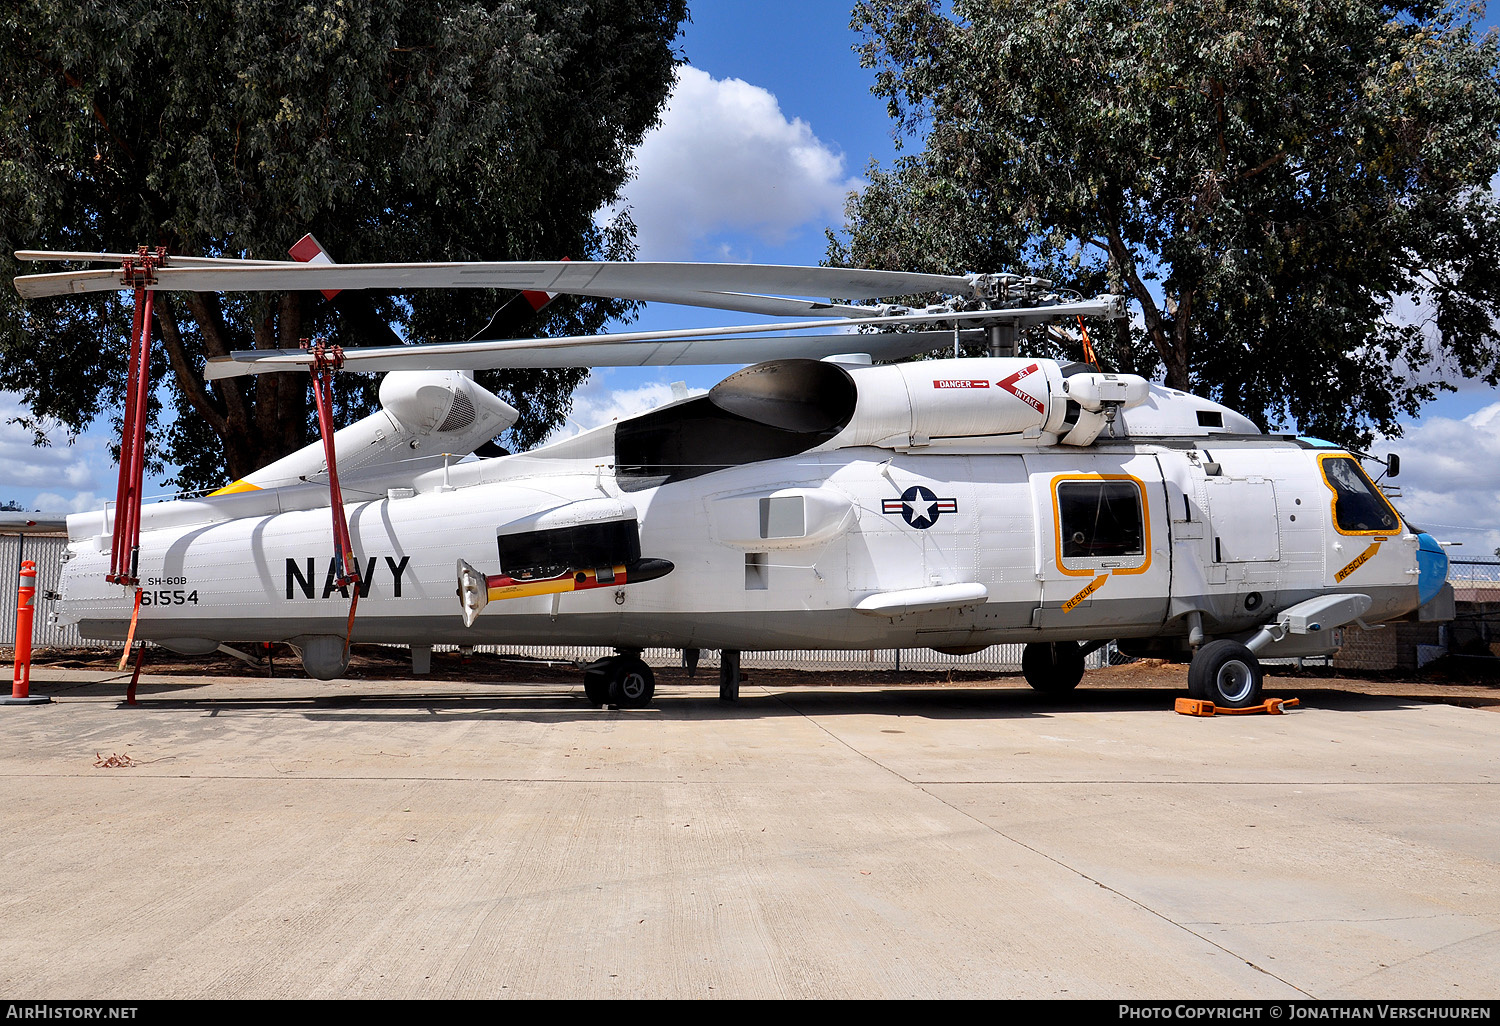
x=357, y=309
x=578, y=353
x=709, y=345
x=685, y=283
x=59, y=256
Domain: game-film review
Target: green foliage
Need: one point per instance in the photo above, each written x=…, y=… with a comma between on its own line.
x=1274, y=182
x=391, y=129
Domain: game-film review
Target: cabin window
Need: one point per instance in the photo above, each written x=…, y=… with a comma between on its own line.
x=538, y=555
x=1358, y=506
x=1100, y=521
x=782, y=516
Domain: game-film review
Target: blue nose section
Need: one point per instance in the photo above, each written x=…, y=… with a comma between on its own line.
x=1432, y=568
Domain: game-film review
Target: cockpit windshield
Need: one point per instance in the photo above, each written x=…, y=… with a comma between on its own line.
x=1358, y=506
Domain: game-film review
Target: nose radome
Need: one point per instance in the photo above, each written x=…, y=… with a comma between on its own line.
x=1432, y=568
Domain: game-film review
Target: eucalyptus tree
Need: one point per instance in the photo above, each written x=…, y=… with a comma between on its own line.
x=391, y=129
x=1295, y=193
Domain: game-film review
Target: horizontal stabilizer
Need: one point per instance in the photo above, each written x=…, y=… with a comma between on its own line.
x=424, y=419
x=33, y=523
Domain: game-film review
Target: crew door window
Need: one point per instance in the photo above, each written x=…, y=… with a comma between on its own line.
x=1101, y=525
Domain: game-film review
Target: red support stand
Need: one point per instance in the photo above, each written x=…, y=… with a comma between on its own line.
x=326, y=361
x=126, y=539
x=135, y=678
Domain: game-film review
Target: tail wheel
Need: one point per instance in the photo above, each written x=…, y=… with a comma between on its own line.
x=1226, y=673
x=1052, y=667
x=632, y=684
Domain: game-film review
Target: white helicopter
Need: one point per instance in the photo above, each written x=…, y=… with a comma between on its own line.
x=816, y=499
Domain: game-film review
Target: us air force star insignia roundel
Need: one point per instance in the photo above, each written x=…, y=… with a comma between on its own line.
x=919, y=507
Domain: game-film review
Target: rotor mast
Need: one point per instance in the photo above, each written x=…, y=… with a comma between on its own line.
x=1027, y=298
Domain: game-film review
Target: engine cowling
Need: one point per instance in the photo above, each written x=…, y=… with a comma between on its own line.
x=928, y=401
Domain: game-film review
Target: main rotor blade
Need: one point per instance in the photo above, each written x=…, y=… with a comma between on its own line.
x=578, y=350
x=42, y=285
x=660, y=353
x=686, y=283
x=740, y=302
x=69, y=256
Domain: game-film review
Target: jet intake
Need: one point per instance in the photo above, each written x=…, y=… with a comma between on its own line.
x=805, y=396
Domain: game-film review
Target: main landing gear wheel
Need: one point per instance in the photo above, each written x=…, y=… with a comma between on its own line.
x=1052, y=667
x=596, y=682
x=1225, y=673
x=632, y=684
x=623, y=680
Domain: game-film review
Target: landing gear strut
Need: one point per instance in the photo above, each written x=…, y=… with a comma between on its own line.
x=729, y=675
x=623, y=681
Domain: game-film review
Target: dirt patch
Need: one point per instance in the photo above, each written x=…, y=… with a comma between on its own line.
x=1452, y=682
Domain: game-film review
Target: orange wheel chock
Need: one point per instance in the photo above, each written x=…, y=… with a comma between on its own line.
x=1199, y=707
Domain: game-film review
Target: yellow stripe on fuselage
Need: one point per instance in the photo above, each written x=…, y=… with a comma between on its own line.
x=239, y=486
x=553, y=585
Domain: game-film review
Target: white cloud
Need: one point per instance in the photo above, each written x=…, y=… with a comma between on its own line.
x=1450, y=479
x=596, y=404
x=725, y=159
x=25, y=468
x=78, y=502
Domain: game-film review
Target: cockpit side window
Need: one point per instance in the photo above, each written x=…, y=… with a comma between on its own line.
x=1358, y=506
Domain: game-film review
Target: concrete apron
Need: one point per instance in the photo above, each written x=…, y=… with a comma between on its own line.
x=423, y=839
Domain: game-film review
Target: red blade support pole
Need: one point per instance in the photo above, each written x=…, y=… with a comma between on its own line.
x=138, y=449
x=123, y=489
x=126, y=536
x=327, y=360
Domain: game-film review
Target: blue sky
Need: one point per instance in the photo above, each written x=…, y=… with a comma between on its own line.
x=771, y=125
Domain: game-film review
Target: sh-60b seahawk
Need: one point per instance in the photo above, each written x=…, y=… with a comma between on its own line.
x=816, y=499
